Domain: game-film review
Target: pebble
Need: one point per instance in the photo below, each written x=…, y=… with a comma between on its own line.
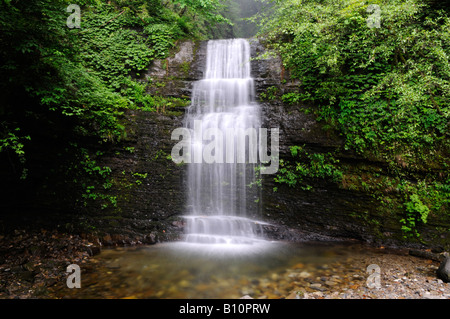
x=293, y=295
x=304, y=274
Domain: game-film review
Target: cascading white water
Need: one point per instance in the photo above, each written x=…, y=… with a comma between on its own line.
x=223, y=199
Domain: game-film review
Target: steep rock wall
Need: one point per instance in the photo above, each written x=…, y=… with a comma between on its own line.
x=152, y=210
x=334, y=209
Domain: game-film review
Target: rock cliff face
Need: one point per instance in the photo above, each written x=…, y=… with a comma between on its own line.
x=152, y=209
x=331, y=209
x=149, y=186
x=327, y=209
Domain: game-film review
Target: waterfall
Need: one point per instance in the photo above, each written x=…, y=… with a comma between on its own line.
x=223, y=199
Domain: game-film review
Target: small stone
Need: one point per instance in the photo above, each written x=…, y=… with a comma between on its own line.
x=304, y=274
x=107, y=239
x=293, y=295
x=429, y=295
x=29, y=267
x=246, y=297
x=184, y=283
x=317, y=294
x=255, y=282
x=246, y=291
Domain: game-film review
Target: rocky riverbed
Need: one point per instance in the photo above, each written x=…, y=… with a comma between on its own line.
x=402, y=276
x=33, y=265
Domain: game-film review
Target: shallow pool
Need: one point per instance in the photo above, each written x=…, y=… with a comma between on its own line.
x=196, y=271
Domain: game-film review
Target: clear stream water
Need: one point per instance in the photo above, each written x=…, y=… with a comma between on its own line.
x=181, y=271
x=273, y=271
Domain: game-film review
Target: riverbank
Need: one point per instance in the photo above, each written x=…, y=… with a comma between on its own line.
x=31, y=262
x=402, y=276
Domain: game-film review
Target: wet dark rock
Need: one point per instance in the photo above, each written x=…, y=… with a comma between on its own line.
x=443, y=271
x=150, y=239
x=177, y=73
x=178, y=224
x=17, y=269
x=425, y=254
x=317, y=287
x=255, y=282
x=26, y=275
x=36, y=250
x=29, y=267
x=93, y=250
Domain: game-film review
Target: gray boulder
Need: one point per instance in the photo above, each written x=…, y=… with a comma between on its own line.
x=443, y=271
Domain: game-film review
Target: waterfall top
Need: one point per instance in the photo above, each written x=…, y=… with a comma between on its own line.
x=228, y=59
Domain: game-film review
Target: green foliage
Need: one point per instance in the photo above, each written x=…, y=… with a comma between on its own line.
x=415, y=211
x=139, y=177
x=94, y=180
x=65, y=91
x=291, y=98
x=387, y=88
x=113, y=51
x=422, y=200
x=308, y=167
x=11, y=141
x=270, y=94
x=161, y=38
x=208, y=9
